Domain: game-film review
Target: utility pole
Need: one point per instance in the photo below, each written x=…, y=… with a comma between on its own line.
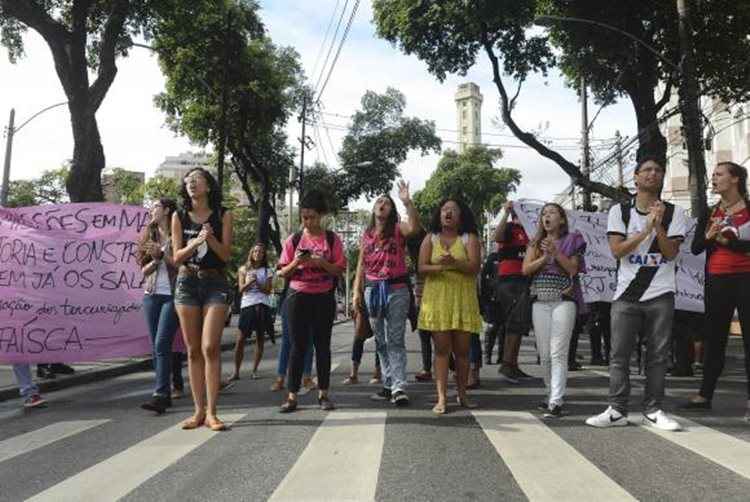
x=8, y=153
x=618, y=149
x=691, y=118
x=224, y=105
x=585, y=167
x=302, y=141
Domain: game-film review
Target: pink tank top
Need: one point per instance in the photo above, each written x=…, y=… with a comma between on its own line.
x=384, y=259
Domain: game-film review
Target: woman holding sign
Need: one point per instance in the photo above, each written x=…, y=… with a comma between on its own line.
x=202, y=239
x=157, y=262
x=553, y=260
x=726, y=240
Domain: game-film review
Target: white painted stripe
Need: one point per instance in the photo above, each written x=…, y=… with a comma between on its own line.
x=544, y=465
x=120, y=474
x=39, y=438
x=341, y=461
x=723, y=449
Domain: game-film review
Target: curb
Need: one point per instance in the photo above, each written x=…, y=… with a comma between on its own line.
x=99, y=375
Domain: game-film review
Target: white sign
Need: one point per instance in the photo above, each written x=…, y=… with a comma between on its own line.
x=600, y=282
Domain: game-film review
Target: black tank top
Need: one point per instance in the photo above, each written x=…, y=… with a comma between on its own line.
x=203, y=257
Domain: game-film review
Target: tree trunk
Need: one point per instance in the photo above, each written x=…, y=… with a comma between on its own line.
x=651, y=141
x=84, y=181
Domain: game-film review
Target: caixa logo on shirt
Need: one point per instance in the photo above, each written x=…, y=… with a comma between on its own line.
x=647, y=260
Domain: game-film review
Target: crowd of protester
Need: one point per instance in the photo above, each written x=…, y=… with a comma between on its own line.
x=434, y=281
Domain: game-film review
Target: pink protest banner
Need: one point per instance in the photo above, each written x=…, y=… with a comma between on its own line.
x=71, y=289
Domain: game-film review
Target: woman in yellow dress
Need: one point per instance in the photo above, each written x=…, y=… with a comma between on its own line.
x=449, y=259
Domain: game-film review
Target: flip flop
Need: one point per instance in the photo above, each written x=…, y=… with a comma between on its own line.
x=192, y=423
x=439, y=409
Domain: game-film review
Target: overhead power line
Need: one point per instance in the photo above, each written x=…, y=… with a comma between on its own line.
x=338, y=51
x=325, y=38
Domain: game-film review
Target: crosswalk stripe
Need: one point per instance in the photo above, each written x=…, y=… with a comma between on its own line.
x=341, y=461
x=542, y=463
x=40, y=438
x=723, y=449
x=120, y=474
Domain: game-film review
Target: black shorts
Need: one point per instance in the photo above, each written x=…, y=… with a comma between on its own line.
x=255, y=317
x=513, y=307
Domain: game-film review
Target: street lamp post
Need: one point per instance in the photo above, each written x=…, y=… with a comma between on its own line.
x=688, y=94
x=11, y=132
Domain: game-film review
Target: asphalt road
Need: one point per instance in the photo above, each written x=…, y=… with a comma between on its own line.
x=94, y=443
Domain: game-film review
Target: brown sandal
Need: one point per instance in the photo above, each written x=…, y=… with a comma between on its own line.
x=215, y=424
x=439, y=409
x=192, y=423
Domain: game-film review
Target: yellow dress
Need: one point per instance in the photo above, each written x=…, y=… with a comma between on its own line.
x=449, y=299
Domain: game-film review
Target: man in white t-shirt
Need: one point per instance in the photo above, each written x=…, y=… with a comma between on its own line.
x=645, y=236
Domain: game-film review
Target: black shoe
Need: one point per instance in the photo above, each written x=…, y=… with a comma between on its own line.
x=400, y=398
x=597, y=361
x=382, y=395
x=575, y=366
x=542, y=406
x=555, y=412
x=325, y=404
x=680, y=373
x=44, y=371
x=288, y=406
x=158, y=405
x=62, y=369
x=695, y=405
x=506, y=373
x=517, y=373
x=488, y=360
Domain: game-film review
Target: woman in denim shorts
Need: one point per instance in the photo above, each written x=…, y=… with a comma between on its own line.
x=202, y=240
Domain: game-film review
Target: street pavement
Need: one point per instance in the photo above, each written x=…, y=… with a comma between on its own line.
x=93, y=442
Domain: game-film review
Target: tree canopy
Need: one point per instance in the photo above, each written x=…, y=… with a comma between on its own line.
x=472, y=177
x=450, y=35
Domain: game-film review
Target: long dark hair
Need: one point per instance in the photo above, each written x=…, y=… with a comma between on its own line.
x=390, y=222
x=151, y=232
x=214, y=194
x=541, y=233
x=314, y=199
x=467, y=224
x=263, y=263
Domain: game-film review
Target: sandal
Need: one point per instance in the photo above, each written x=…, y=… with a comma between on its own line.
x=288, y=406
x=192, y=423
x=277, y=385
x=351, y=380
x=439, y=409
x=465, y=403
x=215, y=424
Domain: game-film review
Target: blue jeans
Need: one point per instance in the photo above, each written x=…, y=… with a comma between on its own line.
x=26, y=386
x=162, y=325
x=286, y=348
x=389, y=329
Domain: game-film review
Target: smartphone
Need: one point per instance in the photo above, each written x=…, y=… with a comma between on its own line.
x=305, y=253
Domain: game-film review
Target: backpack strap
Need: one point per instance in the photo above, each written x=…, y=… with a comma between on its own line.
x=625, y=208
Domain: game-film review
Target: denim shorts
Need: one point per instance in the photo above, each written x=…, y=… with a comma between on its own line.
x=201, y=291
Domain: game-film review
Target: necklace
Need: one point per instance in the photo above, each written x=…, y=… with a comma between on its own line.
x=726, y=207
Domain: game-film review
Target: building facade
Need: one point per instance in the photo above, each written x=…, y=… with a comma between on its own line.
x=468, y=115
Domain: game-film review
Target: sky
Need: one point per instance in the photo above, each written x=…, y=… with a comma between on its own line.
x=134, y=135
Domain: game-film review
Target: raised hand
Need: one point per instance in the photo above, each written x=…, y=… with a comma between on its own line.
x=403, y=192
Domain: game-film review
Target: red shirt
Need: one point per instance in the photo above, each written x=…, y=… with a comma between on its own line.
x=384, y=258
x=723, y=260
x=511, y=250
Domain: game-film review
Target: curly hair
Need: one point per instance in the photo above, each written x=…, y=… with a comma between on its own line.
x=467, y=223
x=214, y=193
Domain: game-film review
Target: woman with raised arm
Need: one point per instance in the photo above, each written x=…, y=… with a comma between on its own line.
x=724, y=234
x=157, y=264
x=202, y=241
x=553, y=259
x=254, y=280
x=450, y=259
x=382, y=283
x=312, y=260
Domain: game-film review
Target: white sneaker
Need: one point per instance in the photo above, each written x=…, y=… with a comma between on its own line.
x=661, y=420
x=609, y=418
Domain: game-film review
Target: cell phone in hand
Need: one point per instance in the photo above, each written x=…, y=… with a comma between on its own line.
x=304, y=253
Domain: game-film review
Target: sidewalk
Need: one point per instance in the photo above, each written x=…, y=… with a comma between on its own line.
x=102, y=370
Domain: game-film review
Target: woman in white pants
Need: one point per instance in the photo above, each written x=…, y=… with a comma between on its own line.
x=553, y=260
